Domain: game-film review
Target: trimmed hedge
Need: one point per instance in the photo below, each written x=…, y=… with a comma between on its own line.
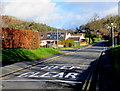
x=66, y=43
x=15, y=38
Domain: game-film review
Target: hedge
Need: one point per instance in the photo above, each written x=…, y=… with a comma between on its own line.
x=66, y=43
x=15, y=38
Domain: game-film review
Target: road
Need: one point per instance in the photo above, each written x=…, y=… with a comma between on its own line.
x=65, y=72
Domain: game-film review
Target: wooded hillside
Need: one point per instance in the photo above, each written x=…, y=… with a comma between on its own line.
x=101, y=25
x=13, y=22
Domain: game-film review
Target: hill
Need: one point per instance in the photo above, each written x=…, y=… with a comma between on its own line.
x=9, y=19
x=13, y=22
x=101, y=25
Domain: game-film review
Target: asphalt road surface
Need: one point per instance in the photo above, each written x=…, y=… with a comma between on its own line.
x=66, y=72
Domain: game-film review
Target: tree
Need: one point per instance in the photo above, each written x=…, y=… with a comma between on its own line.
x=88, y=34
x=95, y=17
x=78, y=30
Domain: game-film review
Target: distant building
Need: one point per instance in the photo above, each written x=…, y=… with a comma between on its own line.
x=80, y=36
x=52, y=38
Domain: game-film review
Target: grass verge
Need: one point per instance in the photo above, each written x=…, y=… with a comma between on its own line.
x=16, y=55
x=115, y=53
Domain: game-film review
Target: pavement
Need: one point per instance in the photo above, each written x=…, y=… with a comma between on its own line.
x=108, y=78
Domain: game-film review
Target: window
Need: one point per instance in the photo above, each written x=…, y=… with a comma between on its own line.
x=48, y=35
x=41, y=35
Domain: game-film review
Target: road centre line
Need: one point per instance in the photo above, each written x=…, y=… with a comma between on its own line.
x=41, y=80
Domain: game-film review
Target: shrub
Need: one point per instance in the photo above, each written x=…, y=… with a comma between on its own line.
x=66, y=43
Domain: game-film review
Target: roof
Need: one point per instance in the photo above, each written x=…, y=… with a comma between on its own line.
x=79, y=34
x=75, y=38
x=53, y=35
x=76, y=34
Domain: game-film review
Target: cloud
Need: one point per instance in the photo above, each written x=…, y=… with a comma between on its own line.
x=51, y=13
x=85, y=0
x=112, y=11
x=71, y=21
x=28, y=9
x=42, y=11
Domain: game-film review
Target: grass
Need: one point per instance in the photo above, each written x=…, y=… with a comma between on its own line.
x=16, y=55
x=96, y=39
x=72, y=47
x=115, y=52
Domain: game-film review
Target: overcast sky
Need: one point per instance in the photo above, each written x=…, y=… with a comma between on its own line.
x=65, y=14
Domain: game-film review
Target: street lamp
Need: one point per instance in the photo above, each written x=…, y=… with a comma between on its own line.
x=57, y=38
x=112, y=34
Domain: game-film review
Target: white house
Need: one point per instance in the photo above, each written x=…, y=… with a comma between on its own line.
x=52, y=38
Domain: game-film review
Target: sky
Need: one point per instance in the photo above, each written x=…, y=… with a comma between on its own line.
x=64, y=14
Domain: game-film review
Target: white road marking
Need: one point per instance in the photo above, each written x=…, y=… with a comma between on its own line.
x=60, y=75
x=41, y=80
x=25, y=74
x=70, y=67
x=64, y=64
x=72, y=75
x=35, y=74
x=49, y=75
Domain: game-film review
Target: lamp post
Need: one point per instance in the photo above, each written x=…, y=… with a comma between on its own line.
x=57, y=38
x=112, y=34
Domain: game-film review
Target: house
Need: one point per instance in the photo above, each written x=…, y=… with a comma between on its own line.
x=53, y=38
x=81, y=36
x=77, y=38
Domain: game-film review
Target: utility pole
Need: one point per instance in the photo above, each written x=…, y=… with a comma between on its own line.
x=112, y=34
x=118, y=19
x=57, y=38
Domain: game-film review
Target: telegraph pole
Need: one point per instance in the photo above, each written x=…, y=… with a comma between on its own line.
x=57, y=38
x=112, y=34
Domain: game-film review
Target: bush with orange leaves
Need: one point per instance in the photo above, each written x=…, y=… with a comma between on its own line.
x=15, y=38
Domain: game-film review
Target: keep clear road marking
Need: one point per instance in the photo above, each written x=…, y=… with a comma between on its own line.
x=49, y=75
x=53, y=74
